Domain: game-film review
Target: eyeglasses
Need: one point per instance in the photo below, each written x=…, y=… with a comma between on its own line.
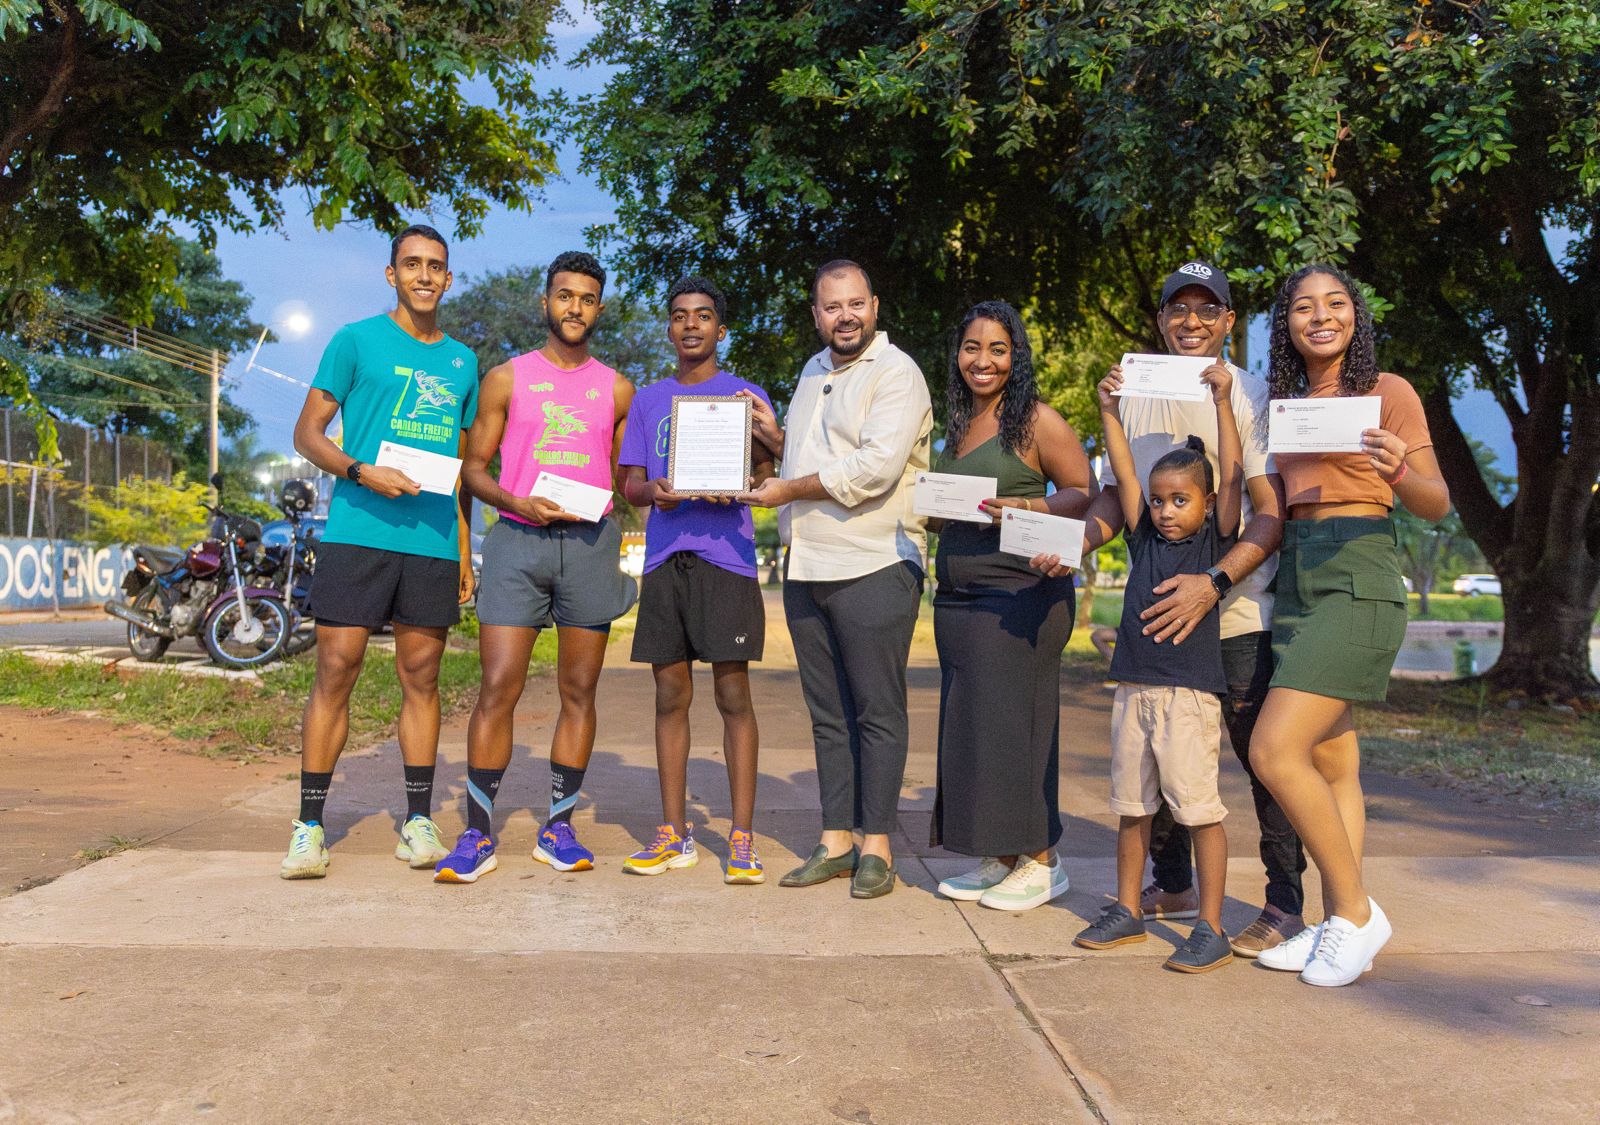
x=1208, y=314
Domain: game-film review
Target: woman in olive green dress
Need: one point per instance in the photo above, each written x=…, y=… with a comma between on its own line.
x=1000, y=626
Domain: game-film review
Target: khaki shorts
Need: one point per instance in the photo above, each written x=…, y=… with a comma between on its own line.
x=1164, y=743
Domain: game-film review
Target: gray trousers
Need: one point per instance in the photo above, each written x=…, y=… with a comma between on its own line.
x=851, y=641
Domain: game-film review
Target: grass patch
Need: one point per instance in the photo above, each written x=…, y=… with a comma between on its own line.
x=229, y=718
x=1452, y=607
x=1460, y=731
x=111, y=847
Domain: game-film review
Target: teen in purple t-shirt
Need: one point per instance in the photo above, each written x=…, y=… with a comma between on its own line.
x=722, y=534
x=699, y=599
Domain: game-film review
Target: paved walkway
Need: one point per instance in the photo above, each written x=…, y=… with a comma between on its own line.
x=185, y=979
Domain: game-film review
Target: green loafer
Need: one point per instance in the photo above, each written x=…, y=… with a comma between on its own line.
x=819, y=868
x=873, y=879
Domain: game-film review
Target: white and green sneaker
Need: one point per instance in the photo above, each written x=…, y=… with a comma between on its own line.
x=308, y=856
x=1030, y=884
x=970, y=886
x=419, y=844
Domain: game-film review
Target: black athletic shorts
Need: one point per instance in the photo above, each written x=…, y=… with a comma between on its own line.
x=690, y=609
x=372, y=588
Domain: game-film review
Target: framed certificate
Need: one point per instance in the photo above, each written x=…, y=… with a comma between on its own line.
x=710, y=450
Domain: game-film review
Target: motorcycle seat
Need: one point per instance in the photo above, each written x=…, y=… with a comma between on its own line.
x=161, y=559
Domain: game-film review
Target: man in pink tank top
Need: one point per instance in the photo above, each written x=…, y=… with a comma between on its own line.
x=555, y=412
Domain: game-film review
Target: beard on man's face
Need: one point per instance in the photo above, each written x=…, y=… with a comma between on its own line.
x=864, y=337
x=554, y=326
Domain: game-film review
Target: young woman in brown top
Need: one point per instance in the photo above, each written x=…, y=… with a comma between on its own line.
x=1341, y=611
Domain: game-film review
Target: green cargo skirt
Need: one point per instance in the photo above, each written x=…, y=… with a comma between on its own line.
x=1340, y=614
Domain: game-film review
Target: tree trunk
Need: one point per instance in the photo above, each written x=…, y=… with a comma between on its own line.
x=1424, y=588
x=1549, y=618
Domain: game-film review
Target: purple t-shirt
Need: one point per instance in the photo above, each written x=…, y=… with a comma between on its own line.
x=722, y=534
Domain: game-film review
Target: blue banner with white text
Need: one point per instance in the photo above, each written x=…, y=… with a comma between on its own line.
x=41, y=573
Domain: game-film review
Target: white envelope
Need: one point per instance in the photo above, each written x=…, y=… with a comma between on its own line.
x=953, y=496
x=433, y=472
x=1321, y=425
x=1037, y=533
x=1145, y=375
x=583, y=500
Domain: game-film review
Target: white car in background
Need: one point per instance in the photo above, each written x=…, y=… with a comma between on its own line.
x=1470, y=585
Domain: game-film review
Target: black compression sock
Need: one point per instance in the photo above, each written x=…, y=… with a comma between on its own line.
x=482, y=788
x=419, y=791
x=313, y=795
x=565, y=781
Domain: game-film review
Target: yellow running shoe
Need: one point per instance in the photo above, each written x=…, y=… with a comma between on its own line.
x=668, y=851
x=744, y=866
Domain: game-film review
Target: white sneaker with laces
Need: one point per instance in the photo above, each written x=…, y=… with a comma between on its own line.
x=419, y=844
x=308, y=853
x=1030, y=884
x=1346, y=950
x=1294, y=955
x=969, y=887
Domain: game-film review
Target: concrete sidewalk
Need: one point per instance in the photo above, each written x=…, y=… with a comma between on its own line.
x=186, y=979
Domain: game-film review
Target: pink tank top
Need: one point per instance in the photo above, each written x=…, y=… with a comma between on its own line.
x=560, y=422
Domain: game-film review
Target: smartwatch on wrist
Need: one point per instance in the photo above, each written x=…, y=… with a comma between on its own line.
x=354, y=471
x=1220, y=581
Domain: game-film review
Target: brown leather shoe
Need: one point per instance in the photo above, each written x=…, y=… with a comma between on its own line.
x=1274, y=927
x=1157, y=903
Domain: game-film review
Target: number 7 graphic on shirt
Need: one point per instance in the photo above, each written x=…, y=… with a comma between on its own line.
x=407, y=372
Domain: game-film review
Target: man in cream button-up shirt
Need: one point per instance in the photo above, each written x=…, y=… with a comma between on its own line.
x=856, y=434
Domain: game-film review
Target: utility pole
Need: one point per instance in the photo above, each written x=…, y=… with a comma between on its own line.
x=216, y=390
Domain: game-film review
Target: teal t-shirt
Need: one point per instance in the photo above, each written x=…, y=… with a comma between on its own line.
x=393, y=387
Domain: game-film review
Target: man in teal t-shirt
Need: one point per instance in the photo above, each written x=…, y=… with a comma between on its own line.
x=393, y=553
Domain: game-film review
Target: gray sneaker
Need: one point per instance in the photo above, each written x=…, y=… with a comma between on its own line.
x=1205, y=950
x=1115, y=926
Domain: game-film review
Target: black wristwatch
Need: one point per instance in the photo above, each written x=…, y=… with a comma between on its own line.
x=354, y=471
x=1220, y=581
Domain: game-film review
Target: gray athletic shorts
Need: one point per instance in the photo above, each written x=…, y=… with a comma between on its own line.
x=565, y=572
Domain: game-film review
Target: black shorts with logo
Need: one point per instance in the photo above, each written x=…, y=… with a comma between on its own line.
x=690, y=609
x=371, y=588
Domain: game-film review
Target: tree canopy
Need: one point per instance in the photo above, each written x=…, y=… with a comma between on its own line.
x=76, y=371
x=122, y=123
x=1065, y=154
x=498, y=316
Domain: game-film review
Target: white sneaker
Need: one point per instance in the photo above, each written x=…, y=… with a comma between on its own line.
x=1346, y=950
x=419, y=844
x=970, y=886
x=308, y=857
x=1030, y=884
x=1294, y=955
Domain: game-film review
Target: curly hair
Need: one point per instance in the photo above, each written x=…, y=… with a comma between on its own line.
x=705, y=288
x=575, y=261
x=1021, y=392
x=1358, y=374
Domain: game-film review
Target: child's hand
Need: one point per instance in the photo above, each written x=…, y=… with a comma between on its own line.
x=1111, y=383
x=1220, y=379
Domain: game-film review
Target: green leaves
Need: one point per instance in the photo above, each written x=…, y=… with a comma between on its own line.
x=203, y=114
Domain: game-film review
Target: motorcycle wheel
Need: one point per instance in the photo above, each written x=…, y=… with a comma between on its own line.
x=302, y=636
x=145, y=645
x=235, y=651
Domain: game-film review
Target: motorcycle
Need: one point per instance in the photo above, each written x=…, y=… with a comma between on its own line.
x=203, y=590
x=289, y=568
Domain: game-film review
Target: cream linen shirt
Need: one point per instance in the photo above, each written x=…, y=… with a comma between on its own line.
x=863, y=429
x=1157, y=426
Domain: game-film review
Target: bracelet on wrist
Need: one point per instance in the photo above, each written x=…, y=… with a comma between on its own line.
x=1400, y=476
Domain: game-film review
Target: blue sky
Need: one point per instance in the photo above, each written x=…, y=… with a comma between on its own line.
x=337, y=276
